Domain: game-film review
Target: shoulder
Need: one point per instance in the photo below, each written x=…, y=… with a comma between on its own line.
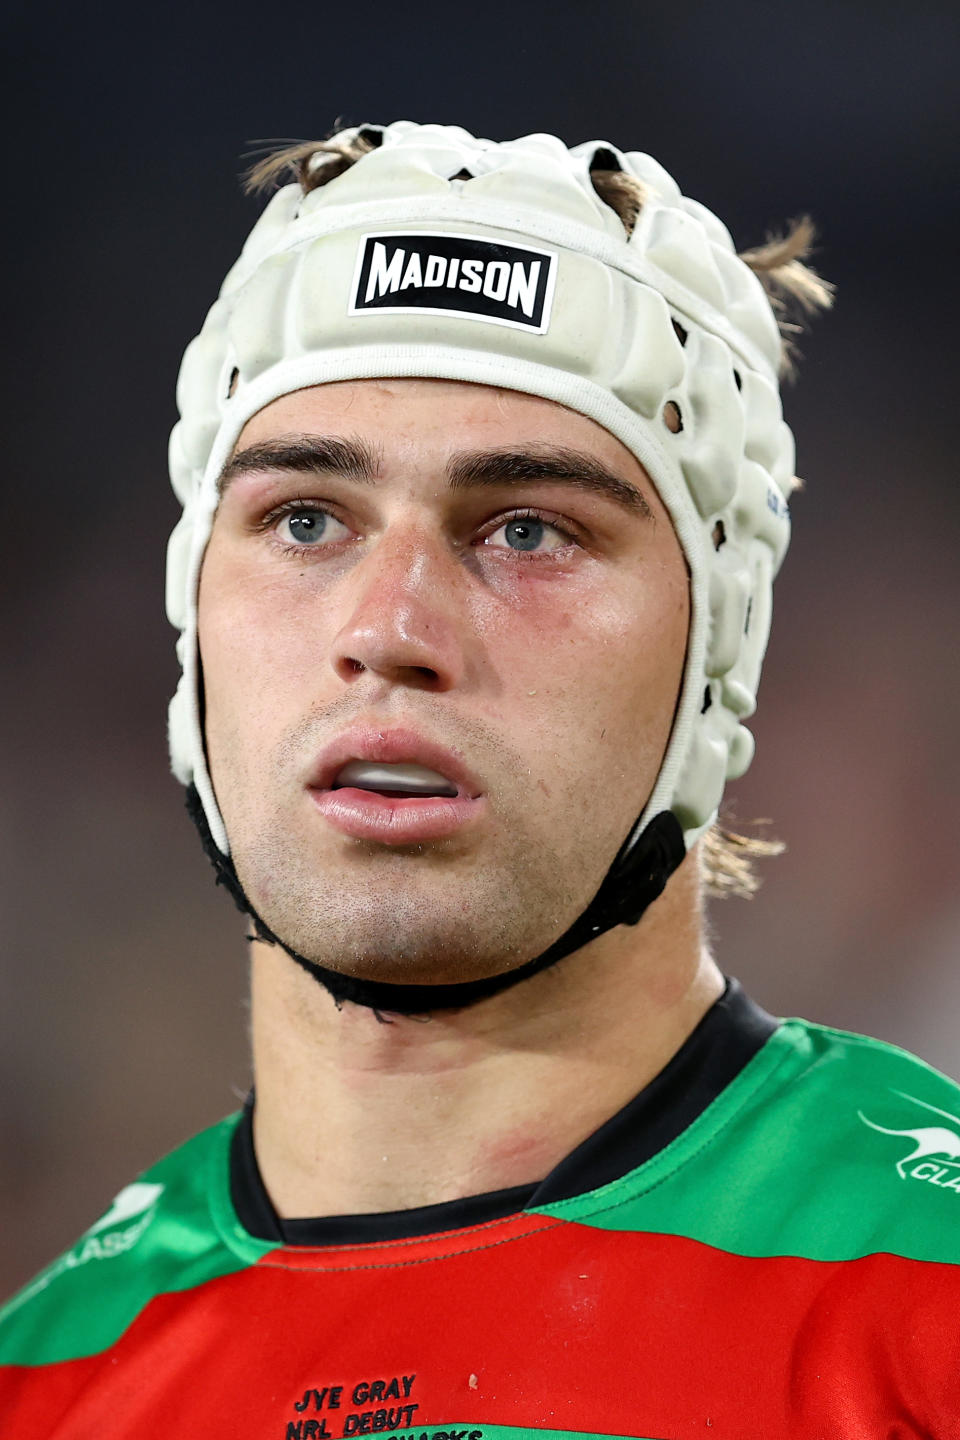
x=828, y=1147
x=858, y=1140
x=841, y=1075
x=160, y=1233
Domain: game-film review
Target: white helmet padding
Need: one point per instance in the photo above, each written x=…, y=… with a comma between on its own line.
x=522, y=277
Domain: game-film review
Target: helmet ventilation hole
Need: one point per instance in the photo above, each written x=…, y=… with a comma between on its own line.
x=603, y=158
x=707, y=701
x=234, y=377
x=737, y=379
x=462, y=175
x=719, y=535
x=679, y=331
x=672, y=417
x=746, y=623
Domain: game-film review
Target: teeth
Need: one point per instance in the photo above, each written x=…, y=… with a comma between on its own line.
x=406, y=779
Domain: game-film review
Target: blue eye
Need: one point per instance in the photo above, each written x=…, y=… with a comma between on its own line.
x=311, y=527
x=528, y=532
x=523, y=534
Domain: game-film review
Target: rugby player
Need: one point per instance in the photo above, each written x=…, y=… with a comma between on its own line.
x=485, y=482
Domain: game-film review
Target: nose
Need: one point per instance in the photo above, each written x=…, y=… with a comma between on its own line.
x=405, y=621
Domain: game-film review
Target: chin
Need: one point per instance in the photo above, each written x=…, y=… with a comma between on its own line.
x=414, y=920
x=437, y=953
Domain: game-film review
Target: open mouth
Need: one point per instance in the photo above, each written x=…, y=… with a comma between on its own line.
x=401, y=781
x=393, y=786
x=396, y=802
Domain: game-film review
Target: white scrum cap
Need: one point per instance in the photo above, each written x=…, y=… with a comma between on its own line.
x=519, y=276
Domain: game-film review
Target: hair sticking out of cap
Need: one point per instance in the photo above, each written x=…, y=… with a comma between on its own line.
x=311, y=163
x=793, y=287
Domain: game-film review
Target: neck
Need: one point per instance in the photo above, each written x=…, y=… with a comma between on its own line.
x=357, y=1116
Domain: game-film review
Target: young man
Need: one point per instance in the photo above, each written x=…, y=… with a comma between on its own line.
x=484, y=480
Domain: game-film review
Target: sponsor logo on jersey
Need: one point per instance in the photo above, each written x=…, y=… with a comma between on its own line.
x=130, y=1202
x=414, y=271
x=934, y=1153
x=113, y=1234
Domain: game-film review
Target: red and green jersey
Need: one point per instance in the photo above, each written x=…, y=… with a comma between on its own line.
x=784, y=1261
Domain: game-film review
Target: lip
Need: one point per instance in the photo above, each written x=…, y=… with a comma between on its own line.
x=389, y=820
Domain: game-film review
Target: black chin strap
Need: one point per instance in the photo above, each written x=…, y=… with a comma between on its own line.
x=635, y=879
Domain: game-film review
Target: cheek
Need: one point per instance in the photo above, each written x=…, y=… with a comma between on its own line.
x=588, y=678
x=605, y=655
x=252, y=643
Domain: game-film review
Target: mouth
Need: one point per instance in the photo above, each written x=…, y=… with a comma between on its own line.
x=394, y=787
x=400, y=781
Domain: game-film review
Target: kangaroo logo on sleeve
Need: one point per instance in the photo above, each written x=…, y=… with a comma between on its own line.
x=935, y=1156
x=414, y=270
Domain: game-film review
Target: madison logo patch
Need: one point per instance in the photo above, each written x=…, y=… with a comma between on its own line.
x=445, y=274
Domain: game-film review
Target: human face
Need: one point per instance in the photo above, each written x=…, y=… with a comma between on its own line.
x=386, y=587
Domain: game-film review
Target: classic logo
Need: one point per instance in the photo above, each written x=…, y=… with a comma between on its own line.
x=411, y=271
x=133, y=1209
x=935, y=1156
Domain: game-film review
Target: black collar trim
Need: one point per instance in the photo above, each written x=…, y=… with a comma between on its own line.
x=728, y=1036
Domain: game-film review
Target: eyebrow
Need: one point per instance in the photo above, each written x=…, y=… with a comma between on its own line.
x=354, y=459
x=558, y=464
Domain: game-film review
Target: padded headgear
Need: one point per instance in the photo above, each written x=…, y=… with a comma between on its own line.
x=635, y=333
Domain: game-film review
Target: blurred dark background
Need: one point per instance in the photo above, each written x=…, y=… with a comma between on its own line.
x=122, y=988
